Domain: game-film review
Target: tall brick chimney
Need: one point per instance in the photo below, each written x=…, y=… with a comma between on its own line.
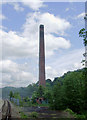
x=86, y=35
x=41, y=57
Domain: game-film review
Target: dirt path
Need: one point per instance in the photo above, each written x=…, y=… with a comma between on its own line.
x=15, y=111
x=1, y=103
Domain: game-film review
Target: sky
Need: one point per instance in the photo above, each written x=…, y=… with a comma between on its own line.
x=19, y=32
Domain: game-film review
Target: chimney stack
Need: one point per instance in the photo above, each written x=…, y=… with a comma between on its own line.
x=86, y=34
x=41, y=57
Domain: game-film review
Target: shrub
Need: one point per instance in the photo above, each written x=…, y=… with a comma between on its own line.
x=78, y=116
x=70, y=111
x=23, y=115
x=34, y=115
x=81, y=116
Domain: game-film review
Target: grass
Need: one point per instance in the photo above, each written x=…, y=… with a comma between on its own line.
x=34, y=115
x=23, y=115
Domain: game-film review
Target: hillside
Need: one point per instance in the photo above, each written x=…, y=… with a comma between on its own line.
x=28, y=91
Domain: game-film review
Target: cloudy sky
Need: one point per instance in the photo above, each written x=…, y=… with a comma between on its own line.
x=20, y=40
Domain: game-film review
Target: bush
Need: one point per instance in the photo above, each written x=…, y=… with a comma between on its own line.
x=81, y=116
x=23, y=115
x=78, y=116
x=57, y=101
x=70, y=111
x=34, y=115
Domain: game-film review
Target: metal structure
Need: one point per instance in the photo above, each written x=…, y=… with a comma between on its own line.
x=86, y=35
x=41, y=57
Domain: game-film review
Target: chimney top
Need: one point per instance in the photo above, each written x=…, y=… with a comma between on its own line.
x=41, y=26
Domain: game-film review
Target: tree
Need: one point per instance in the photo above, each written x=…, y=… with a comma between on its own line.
x=73, y=87
x=68, y=93
x=37, y=94
x=83, y=34
x=47, y=95
x=40, y=91
x=17, y=95
x=11, y=94
x=57, y=102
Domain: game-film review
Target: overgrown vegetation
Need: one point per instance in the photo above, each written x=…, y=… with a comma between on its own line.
x=23, y=116
x=69, y=94
x=74, y=114
x=33, y=115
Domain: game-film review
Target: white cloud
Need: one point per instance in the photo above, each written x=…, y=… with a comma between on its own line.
x=55, y=43
x=77, y=65
x=2, y=27
x=53, y=24
x=71, y=58
x=68, y=62
x=2, y=17
x=17, y=6
x=34, y=4
x=51, y=72
x=26, y=44
x=16, y=46
x=18, y=75
x=82, y=15
x=14, y=74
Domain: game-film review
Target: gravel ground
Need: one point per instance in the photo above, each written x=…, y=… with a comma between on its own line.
x=15, y=111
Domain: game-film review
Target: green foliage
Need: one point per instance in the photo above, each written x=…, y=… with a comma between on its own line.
x=83, y=33
x=11, y=94
x=37, y=94
x=44, y=92
x=57, y=101
x=49, y=83
x=26, y=99
x=73, y=88
x=47, y=95
x=78, y=116
x=23, y=115
x=34, y=115
x=70, y=111
x=34, y=96
x=17, y=95
x=69, y=92
x=40, y=91
x=85, y=88
x=25, y=102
